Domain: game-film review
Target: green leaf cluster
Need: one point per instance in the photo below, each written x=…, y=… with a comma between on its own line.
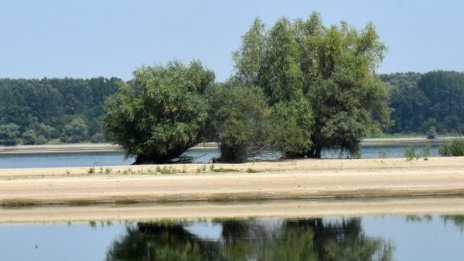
x=161, y=112
x=46, y=110
x=238, y=120
x=424, y=101
x=327, y=73
x=455, y=149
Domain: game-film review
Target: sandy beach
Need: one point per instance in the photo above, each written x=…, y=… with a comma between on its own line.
x=204, y=190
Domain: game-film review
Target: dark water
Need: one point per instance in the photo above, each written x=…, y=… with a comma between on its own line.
x=336, y=238
x=199, y=156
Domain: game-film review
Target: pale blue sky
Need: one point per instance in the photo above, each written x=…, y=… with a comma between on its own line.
x=86, y=38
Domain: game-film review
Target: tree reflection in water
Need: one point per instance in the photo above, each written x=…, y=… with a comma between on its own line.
x=308, y=239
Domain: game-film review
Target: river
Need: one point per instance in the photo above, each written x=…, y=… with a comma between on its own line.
x=392, y=237
x=202, y=155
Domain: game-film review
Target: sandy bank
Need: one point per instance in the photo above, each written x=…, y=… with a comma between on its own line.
x=298, y=179
x=199, y=210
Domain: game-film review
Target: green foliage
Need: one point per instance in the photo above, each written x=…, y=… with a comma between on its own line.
x=91, y=170
x=238, y=120
x=410, y=153
x=75, y=131
x=427, y=151
x=29, y=137
x=333, y=68
x=455, y=149
x=45, y=106
x=161, y=112
x=252, y=170
x=9, y=134
x=423, y=101
x=432, y=133
x=291, y=127
x=166, y=170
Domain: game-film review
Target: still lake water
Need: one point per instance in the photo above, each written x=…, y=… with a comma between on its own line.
x=335, y=238
x=199, y=156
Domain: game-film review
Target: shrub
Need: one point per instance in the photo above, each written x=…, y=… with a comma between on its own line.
x=9, y=134
x=455, y=148
x=432, y=133
x=410, y=153
x=238, y=121
x=160, y=113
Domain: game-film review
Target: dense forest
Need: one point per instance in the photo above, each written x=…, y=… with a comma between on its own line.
x=34, y=111
x=423, y=102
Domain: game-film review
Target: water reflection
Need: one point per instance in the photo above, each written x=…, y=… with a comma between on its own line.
x=306, y=239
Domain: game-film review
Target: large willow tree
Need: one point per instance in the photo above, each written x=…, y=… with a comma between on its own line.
x=161, y=112
x=331, y=68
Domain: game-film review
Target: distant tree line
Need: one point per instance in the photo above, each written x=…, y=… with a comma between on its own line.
x=53, y=110
x=432, y=101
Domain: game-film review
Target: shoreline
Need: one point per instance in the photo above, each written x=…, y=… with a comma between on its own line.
x=237, y=210
x=108, y=147
x=201, y=188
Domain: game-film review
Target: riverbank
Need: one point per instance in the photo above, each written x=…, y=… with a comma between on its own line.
x=64, y=189
x=107, y=147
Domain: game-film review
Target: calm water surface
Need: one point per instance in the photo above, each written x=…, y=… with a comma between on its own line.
x=199, y=156
x=335, y=238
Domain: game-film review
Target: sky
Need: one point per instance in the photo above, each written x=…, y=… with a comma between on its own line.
x=90, y=38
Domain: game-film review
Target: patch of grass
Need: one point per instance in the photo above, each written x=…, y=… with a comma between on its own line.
x=427, y=151
x=410, y=154
x=91, y=170
x=81, y=202
x=108, y=171
x=252, y=170
x=166, y=170
x=455, y=148
x=203, y=169
x=125, y=201
x=18, y=203
x=225, y=170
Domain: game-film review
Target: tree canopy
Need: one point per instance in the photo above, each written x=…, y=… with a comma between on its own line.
x=332, y=68
x=238, y=121
x=424, y=101
x=161, y=112
x=41, y=109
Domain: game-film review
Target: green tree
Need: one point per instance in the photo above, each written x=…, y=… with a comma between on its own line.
x=280, y=73
x=161, y=112
x=332, y=68
x=238, y=121
x=249, y=58
x=9, y=134
x=291, y=127
x=29, y=137
x=75, y=131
